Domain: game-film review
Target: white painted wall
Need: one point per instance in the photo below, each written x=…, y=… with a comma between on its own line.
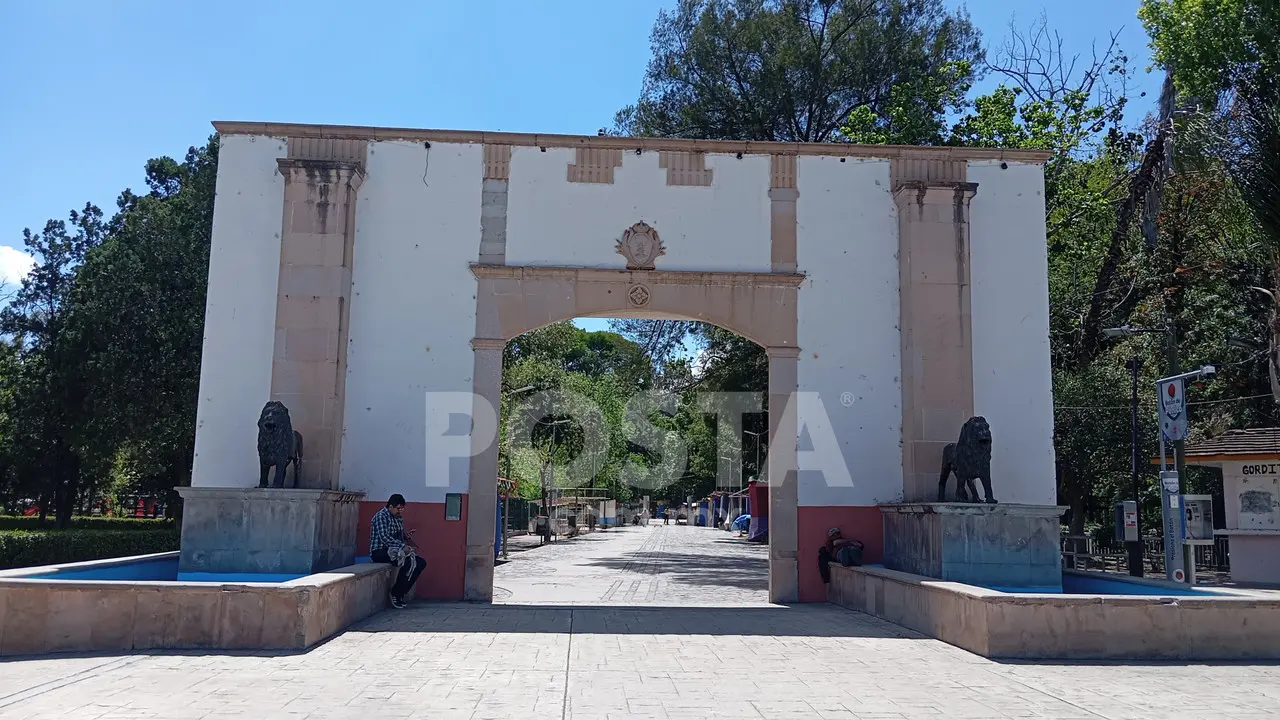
x=1012, y=381
x=412, y=312
x=240, y=311
x=413, y=305
x=554, y=222
x=847, y=243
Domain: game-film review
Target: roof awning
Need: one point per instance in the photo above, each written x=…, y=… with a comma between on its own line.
x=1233, y=446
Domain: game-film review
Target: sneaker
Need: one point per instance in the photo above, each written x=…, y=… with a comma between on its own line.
x=397, y=603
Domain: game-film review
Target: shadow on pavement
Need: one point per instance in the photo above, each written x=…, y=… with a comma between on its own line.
x=816, y=620
x=746, y=572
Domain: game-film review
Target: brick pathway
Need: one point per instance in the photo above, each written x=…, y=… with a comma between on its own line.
x=588, y=657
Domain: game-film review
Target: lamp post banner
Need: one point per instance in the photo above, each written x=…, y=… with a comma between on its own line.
x=1172, y=402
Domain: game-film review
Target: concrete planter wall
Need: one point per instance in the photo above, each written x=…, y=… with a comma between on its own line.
x=1239, y=625
x=42, y=616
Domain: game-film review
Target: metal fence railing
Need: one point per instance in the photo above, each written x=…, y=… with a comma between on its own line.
x=1082, y=552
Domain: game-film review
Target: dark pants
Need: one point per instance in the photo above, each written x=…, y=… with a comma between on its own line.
x=824, y=563
x=408, y=573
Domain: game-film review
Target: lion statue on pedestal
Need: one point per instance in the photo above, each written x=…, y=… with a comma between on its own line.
x=279, y=445
x=969, y=458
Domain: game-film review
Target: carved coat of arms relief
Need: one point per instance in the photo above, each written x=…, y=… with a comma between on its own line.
x=641, y=246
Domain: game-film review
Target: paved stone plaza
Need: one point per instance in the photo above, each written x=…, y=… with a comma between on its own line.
x=586, y=655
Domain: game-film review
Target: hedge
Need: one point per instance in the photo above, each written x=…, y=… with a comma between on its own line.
x=32, y=522
x=27, y=548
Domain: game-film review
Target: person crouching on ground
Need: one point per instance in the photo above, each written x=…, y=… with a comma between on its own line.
x=390, y=543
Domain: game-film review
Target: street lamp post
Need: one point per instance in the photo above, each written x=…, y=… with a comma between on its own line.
x=1134, y=365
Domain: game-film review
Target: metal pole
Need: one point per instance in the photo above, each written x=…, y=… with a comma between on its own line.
x=1179, y=453
x=1135, y=547
x=506, y=509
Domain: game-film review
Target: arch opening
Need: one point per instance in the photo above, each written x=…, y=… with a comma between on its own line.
x=754, y=314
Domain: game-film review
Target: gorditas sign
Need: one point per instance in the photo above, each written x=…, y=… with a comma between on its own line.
x=1173, y=410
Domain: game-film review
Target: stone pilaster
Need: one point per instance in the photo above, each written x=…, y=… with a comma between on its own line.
x=784, y=491
x=493, y=205
x=482, y=490
x=783, y=196
x=937, y=342
x=309, y=368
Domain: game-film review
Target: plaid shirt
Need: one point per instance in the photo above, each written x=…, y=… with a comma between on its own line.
x=386, y=532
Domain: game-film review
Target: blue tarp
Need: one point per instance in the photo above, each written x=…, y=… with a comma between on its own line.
x=742, y=523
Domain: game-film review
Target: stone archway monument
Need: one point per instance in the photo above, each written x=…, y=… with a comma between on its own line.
x=369, y=278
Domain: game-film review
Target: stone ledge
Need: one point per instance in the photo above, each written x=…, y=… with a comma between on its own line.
x=886, y=152
x=39, y=616
x=1030, y=626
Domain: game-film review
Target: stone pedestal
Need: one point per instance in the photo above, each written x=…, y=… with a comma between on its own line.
x=267, y=530
x=1007, y=546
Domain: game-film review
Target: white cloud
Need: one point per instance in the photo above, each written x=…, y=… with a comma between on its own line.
x=14, y=266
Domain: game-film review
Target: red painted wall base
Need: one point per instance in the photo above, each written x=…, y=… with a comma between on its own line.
x=858, y=522
x=443, y=543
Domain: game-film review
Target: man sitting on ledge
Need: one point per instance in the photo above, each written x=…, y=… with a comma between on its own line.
x=389, y=543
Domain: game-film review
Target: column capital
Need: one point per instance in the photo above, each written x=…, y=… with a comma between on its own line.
x=782, y=352
x=321, y=171
x=488, y=344
x=930, y=192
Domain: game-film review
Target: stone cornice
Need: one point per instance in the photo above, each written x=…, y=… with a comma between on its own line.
x=887, y=152
x=651, y=277
x=340, y=169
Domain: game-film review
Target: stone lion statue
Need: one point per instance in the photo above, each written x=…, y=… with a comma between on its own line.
x=968, y=458
x=278, y=444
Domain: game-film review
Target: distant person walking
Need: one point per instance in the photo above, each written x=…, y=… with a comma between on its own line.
x=390, y=543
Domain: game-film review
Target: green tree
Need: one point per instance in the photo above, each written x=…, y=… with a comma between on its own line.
x=793, y=70
x=52, y=386
x=138, y=315
x=1215, y=49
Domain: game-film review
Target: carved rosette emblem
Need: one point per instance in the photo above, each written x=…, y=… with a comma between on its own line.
x=638, y=295
x=641, y=246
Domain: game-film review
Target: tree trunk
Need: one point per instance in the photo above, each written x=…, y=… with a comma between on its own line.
x=45, y=499
x=1077, y=513
x=68, y=482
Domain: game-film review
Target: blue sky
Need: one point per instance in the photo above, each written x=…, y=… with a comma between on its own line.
x=91, y=89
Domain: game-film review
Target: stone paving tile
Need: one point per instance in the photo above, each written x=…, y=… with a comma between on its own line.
x=655, y=565
x=576, y=650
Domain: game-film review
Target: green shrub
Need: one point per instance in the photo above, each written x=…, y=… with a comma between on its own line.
x=20, y=522
x=27, y=548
